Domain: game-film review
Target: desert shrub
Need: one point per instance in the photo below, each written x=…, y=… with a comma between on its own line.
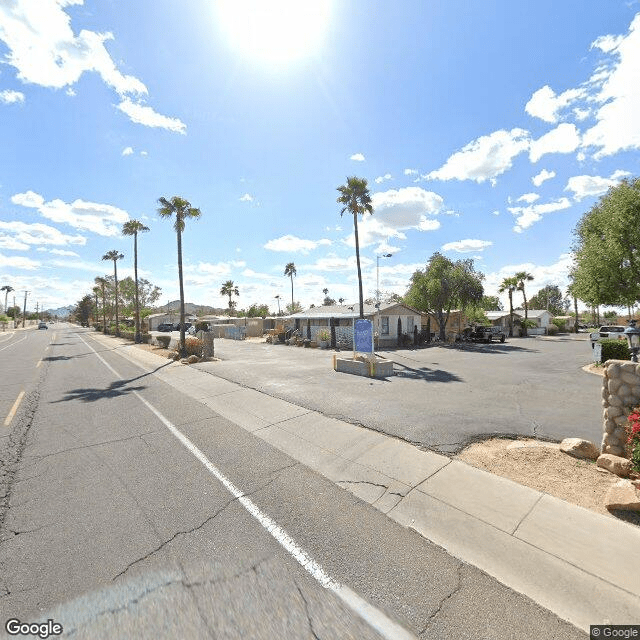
x=193, y=346
x=164, y=341
x=613, y=349
x=552, y=330
x=128, y=335
x=324, y=335
x=97, y=327
x=202, y=326
x=146, y=338
x=560, y=324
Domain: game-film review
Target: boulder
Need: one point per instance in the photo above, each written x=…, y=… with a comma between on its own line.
x=616, y=464
x=193, y=359
x=623, y=495
x=579, y=448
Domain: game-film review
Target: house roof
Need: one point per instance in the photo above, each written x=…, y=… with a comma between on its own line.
x=537, y=313
x=348, y=311
x=496, y=315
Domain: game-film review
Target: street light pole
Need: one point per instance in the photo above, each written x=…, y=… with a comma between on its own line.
x=278, y=299
x=24, y=309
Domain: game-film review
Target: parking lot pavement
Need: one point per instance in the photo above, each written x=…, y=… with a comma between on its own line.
x=441, y=397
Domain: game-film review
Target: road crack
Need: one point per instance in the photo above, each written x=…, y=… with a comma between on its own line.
x=307, y=613
x=444, y=600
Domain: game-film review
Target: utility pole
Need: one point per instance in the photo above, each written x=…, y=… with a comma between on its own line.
x=38, y=310
x=24, y=309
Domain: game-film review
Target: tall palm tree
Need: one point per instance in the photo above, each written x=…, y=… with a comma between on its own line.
x=290, y=270
x=115, y=255
x=102, y=283
x=96, y=292
x=355, y=198
x=522, y=277
x=133, y=228
x=509, y=285
x=6, y=288
x=183, y=211
x=229, y=289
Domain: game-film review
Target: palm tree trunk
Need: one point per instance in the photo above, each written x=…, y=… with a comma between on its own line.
x=115, y=275
x=6, y=293
x=104, y=312
x=355, y=226
x=510, y=314
x=135, y=273
x=291, y=276
x=183, y=348
x=524, y=327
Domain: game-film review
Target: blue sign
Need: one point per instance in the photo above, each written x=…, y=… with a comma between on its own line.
x=363, y=336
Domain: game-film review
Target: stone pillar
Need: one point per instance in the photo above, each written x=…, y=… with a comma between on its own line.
x=207, y=344
x=620, y=394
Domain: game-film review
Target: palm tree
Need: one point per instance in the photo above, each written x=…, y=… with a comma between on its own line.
x=229, y=289
x=182, y=210
x=340, y=300
x=102, y=283
x=96, y=292
x=6, y=288
x=509, y=285
x=132, y=228
x=115, y=256
x=356, y=200
x=290, y=270
x=522, y=277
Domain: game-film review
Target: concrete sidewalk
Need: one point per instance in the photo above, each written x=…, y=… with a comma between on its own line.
x=582, y=566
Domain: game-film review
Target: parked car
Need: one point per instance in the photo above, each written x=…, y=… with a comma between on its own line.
x=187, y=326
x=484, y=334
x=165, y=326
x=42, y=325
x=610, y=331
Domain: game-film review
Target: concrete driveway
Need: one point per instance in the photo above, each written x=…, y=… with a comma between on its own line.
x=442, y=397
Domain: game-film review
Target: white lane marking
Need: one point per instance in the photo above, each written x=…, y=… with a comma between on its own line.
x=375, y=618
x=13, y=343
x=39, y=363
x=16, y=404
x=7, y=336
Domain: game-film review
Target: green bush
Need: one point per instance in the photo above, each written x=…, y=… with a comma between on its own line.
x=560, y=324
x=193, y=346
x=202, y=326
x=164, y=341
x=97, y=327
x=613, y=349
x=128, y=335
x=146, y=338
x=553, y=330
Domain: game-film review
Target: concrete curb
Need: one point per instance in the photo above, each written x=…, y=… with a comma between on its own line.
x=582, y=566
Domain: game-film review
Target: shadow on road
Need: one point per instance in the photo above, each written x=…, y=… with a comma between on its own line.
x=114, y=390
x=424, y=373
x=55, y=358
x=492, y=348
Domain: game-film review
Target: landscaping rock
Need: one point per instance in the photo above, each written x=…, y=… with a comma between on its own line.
x=579, y=448
x=193, y=359
x=616, y=464
x=624, y=496
x=173, y=356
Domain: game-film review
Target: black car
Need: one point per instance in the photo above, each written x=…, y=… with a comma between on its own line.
x=176, y=326
x=165, y=326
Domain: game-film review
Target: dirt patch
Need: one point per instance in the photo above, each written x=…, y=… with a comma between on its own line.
x=542, y=466
x=159, y=351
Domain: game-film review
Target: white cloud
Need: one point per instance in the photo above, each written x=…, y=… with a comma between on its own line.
x=542, y=177
x=103, y=219
x=250, y=273
x=467, y=246
x=64, y=252
x=10, y=242
x=581, y=114
x=528, y=197
x=545, y=104
x=484, y=158
x=617, y=126
x=358, y=157
x=332, y=262
x=410, y=172
x=381, y=179
x=295, y=244
x=592, y=186
x=526, y=216
x=141, y=114
x=144, y=154
x=247, y=197
x=495, y=213
x=11, y=97
x=37, y=234
x=563, y=139
x=127, y=151
x=19, y=262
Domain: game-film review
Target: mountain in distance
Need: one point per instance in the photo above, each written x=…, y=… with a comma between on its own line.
x=190, y=308
x=61, y=312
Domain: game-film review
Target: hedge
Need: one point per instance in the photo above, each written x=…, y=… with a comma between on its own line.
x=613, y=349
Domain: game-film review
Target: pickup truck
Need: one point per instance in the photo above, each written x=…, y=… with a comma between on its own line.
x=610, y=331
x=484, y=334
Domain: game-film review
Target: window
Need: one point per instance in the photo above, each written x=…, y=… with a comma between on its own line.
x=385, y=325
x=409, y=324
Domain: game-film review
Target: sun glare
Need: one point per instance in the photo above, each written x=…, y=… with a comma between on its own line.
x=275, y=31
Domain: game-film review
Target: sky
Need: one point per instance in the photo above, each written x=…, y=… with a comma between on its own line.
x=485, y=130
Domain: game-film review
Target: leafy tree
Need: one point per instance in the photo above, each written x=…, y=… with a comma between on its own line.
x=328, y=301
x=550, y=298
x=115, y=256
x=7, y=289
x=355, y=198
x=522, y=277
x=294, y=307
x=477, y=315
x=148, y=294
x=509, y=285
x=229, y=289
x=340, y=300
x=182, y=210
x=13, y=312
x=258, y=311
x=607, y=248
x=290, y=270
x=445, y=285
x=133, y=228
x=82, y=312
x=491, y=303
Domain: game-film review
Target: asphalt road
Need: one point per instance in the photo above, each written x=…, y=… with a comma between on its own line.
x=114, y=528
x=442, y=397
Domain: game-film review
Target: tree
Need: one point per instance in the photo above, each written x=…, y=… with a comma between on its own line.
x=340, y=300
x=290, y=270
x=491, y=303
x=115, y=256
x=183, y=211
x=295, y=307
x=7, y=289
x=229, y=289
x=355, y=198
x=445, y=285
x=607, y=248
x=522, y=277
x=13, y=312
x=82, y=312
x=258, y=311
x=148, y=294
x=509, y=285
x=550, y=298
x=133, y=228
x=96, y=293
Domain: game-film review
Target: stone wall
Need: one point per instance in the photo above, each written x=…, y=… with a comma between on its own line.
x=620, y=393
